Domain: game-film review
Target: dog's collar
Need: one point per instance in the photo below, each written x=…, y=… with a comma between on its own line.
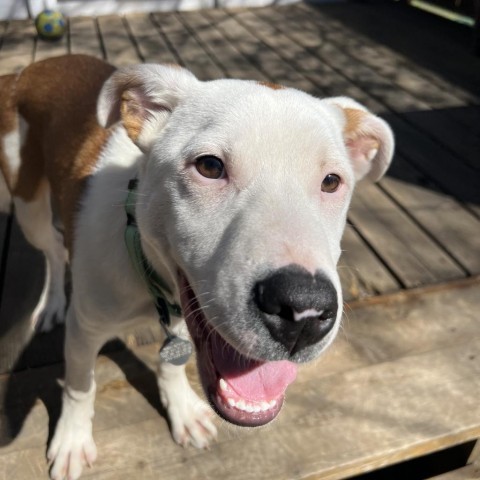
x=154, y=282
x=174, y=350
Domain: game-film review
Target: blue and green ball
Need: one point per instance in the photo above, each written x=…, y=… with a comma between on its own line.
x=50, y=24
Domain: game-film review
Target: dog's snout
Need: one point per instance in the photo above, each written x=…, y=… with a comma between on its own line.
x=298, y=308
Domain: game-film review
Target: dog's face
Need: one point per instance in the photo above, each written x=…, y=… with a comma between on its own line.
x=244, y=195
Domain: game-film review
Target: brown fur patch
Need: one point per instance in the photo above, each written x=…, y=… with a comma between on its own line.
x=132, y=115
x=8, y=121
x=354, y=119
x=273, y=86
x=57, y=98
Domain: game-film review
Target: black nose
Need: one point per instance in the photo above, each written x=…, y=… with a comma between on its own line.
x=298, y=308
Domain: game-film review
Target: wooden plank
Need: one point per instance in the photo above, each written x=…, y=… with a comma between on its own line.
x=117, y=44
x=17, y=47
x=84, y=38
x=389, y=230
x=456, y=229
x=233, y=63
x=187, y=48
x=427, y=46
x=360, y=270
x=328, y=81
x=407, y=388
x=399, y=70
x=151, y=45
x=260, y=55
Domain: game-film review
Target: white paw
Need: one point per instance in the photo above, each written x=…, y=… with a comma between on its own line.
x=192, y=423
x=190, y=417
x=72, y=446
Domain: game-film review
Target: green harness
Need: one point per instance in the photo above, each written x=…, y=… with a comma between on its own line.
x=174, y=350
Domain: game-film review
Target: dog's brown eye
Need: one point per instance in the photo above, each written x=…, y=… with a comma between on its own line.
x=210, y=167
x=331, y=183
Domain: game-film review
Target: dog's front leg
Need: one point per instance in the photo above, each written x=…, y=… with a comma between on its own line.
x=190, y=417
x=72, y=446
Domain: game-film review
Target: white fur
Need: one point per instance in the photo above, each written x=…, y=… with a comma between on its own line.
x=268, y=212
x=72, y=446
x=190, y=417
x=12, y=143
x=35, y=219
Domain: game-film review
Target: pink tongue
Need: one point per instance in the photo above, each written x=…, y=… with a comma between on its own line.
x=253, y=380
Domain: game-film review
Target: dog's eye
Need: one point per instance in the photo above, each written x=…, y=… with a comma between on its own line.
x=331, y=183
x=210, y=167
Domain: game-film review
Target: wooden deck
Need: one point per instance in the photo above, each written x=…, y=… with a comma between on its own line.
x=404, y=378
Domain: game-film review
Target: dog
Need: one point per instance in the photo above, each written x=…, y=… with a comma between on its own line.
x=238, y=206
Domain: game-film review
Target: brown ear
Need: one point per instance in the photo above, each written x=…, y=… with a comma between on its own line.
x=368, y=138
x=142, y=97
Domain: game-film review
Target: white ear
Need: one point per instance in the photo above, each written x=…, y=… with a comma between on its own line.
x=368, y=138
x=142, y=97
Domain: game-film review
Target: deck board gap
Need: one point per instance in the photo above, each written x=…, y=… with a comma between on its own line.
x=132, y=38
x=101, y=42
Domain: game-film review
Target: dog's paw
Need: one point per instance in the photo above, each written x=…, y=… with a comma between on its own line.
x=191, y=419
x=70, y=450
x=72, y=446
x=192, y=424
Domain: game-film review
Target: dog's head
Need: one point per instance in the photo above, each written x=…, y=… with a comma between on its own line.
x=244, y=196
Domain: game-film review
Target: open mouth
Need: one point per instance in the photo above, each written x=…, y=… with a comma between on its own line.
x=243, y=391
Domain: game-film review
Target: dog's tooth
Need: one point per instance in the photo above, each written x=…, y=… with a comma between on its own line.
x=272, y=403
x=257, y=408
x=223, y=384
x=249, y=408
x=241, y=405
x=231, y=402
x=264, y=406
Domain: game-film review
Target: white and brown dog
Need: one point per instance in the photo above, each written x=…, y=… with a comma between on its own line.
x=242, y=197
